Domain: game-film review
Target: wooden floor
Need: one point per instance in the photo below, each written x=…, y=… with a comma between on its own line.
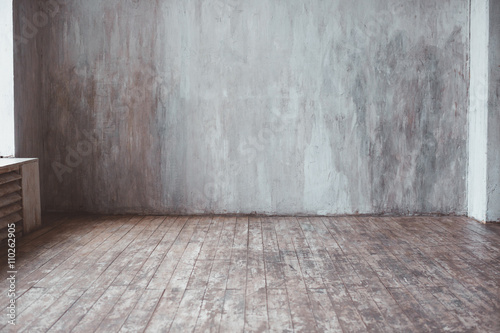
x=226, y=274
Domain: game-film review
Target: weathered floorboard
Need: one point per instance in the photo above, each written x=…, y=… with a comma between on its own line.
x=248, y=274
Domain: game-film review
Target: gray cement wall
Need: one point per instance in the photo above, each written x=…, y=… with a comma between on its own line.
x=226, y=106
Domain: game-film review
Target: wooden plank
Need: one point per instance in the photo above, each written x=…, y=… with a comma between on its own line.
x=8, y=168
x=203, y=266
x=425, y=236
x=148, y=270
x=78, y=310
x=256, y=318
x=38, y=245
x=141, y=314
x=339, y=266
x=169, y=263
x=233, y=313
x=448, y=235
x=12, y=218
x=477, y=298
x=368, y=309
x=187, y=263
x=488, y=232
x=288, y=232
x=209, y=248
x=28, y=264
x=467, y=274
x=345, y=309
x=24, y=303
x=189, y=309
x=323, y=311
x=226, y=239
x=51, y=313
x=4, y=234
x=201, y=230
x=89, y=261
x=182, y=273
x=240, y=241
x=393, y=315
x=211, y=311
x=312, y=273
x=387, y=269
x=125, y=267
x=280, y=318
x=256, y=314
x=300, y=306
x=98, y=312
x=272, y=258
x=184, y=261
x=9, y=177
x=255, y=238
x=420, y=320
x=200, y=275
x=101, y=259
x=285, y=244
x=237, y=278
x=15, y=162
x=325, y=283
x=120, y=312
x=9, y=188
x=37, y=238
x=165, y=312
x=10, y=199
x=33, y=311
x=314, y=258
x=348, y=239
x=256, y=271
x=11, y=209
x=270, y=240
x=316, y=236
x=469, y=319
x=32, y=213
x=482, y=251
x=447, y=321
x=301, y=309
x=485, y=267
x=219, y=274
x=34, y=256
x=52, y=262
x=415, y=268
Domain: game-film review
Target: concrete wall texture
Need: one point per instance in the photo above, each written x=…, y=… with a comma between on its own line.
x=228, y=106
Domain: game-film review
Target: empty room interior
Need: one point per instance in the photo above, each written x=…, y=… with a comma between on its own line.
x=250, y=166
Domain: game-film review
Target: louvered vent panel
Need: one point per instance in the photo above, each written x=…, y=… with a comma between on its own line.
x=11, y=201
